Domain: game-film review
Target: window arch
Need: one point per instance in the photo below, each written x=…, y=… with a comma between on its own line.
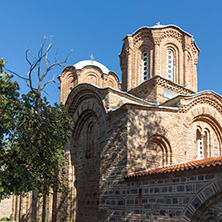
x=90, y=138
x=203, y=143
x=160, y=152
x=170, y=64
x=145, y=66
x=200, y=144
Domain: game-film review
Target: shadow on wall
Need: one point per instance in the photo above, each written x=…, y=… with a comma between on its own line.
x=134, y=141
x=147, y=143
x=104, y=148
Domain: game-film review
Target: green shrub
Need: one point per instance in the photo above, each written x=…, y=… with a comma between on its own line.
x=4, y=219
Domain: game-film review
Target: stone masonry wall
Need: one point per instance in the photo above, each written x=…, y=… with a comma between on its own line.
x=112, y=169
x=153, y=139
x=168, y=197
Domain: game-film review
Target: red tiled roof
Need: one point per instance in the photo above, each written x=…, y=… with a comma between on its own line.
x=207, y=162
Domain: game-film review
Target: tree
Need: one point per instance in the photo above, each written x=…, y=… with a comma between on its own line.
x=33, y=133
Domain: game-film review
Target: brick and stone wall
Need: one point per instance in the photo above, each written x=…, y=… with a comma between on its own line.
x=156, y=41
x=116, y=133
x=183, y=196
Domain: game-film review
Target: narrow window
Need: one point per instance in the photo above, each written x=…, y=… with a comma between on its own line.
x=200, y=148
x=90, y=141
x=145, y=66
x=170, y=64
x=202, y=140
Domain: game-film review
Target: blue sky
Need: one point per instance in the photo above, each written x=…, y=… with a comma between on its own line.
x=98, y=26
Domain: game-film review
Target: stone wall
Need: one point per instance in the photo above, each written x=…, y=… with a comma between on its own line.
x=112, y=169
x=183, y=196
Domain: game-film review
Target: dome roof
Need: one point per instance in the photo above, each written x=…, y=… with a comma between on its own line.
x=84, y=63
x=159, y=26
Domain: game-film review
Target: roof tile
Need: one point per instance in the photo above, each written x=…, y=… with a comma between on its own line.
x=207, y=162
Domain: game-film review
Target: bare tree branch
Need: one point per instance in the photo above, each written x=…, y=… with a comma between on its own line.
x=36, y=65
x=47, y=53
x=56, y=56
x=21, y=77
x=46, y=83
x=32, y=55
x=26, y=56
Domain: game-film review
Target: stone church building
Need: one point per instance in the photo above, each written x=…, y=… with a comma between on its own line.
x=146, y=149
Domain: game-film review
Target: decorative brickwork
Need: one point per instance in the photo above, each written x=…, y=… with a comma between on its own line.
x=158, y=131
x=156, y=41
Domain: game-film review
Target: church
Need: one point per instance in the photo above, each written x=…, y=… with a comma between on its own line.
x=146, y=149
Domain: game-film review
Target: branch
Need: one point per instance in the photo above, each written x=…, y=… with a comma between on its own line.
x=32, y=67
x=15, y=73
x=52, y=80
x=54, y=64
x=47, y=52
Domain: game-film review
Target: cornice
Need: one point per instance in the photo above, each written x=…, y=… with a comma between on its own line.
x=161, y=81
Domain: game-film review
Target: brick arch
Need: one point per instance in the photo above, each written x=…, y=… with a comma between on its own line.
x=68, y=81
x=176, y=59
x=111, y=83
x=85, y=116
x=164, y=144
x=171, y=41
x=206, y=114
x=92, y=78
x=142, y=44
x=92, y=68
x=91, y=75
x=89, y=105
x=176, y=47
x=171, y=34
x=88, y=94
x=89, y=121
x=171, y=135
x=202, y=201
x=115, y=79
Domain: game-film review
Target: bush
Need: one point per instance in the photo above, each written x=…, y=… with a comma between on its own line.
x=4, y=219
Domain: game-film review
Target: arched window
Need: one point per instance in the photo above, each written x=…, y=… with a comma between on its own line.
x=202, y=144
x=170, y=64
x=90, y=141
x=145, y=66
x=206, y=142
x=160, y=153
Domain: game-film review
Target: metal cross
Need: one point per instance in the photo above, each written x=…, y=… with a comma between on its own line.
x=158, y=23
x=92, y=58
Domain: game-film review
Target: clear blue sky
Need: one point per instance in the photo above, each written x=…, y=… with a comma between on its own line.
x=98, y=26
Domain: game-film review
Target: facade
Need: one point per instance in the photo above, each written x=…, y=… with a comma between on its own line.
x=146, y=149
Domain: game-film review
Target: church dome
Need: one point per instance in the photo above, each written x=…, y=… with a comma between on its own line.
x=84, y=63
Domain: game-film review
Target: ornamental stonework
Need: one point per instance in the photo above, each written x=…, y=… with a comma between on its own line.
x=141, y=150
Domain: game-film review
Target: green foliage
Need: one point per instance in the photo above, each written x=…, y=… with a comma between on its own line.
x=4, y=219
x=32, y=138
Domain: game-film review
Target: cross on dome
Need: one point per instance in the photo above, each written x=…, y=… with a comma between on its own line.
x=92, y=58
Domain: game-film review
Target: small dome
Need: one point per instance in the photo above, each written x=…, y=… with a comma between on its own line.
x=84, y=63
